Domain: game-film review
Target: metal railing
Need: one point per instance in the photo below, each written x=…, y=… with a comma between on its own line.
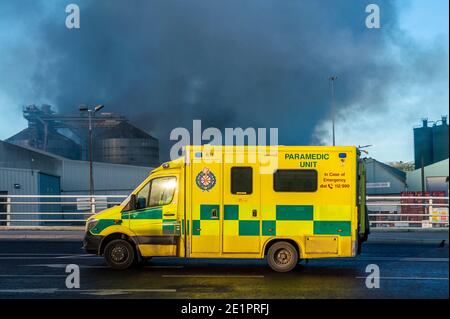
x=52, y=211
x=408, y=212
x=71, y=211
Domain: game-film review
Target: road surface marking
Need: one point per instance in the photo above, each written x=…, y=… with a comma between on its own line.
x=86, y=291
x=437, y=240
x=424, y=259
x=50, y=257
x=409, y=259
x=79, y=256
x=30, y=254
x=406, y=278
x=165, y=266
x=103, y=292
x=14, y=276
x=25, y=291
x=211, y=276
x=102, y=266
x=64, y=266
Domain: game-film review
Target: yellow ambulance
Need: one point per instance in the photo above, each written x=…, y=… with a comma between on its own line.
x=284, y=203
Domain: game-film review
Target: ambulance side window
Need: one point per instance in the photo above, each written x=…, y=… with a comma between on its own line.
x=157, y=192
x=142, y=197
x=295, y=180
x=162, y=191
x=241, y=180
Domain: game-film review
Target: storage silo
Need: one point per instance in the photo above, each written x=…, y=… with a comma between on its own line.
x=440, y=141
x=48, y=140
x=42, y=133
x=62, y=146
x=126, y=144
x=423, y=145
x=115, y=140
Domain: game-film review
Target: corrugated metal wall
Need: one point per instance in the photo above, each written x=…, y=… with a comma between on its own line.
x=439, y=169
x=49, y=185
x=60, y=176
x=27, y=181
x=109, y=179
x=13, y=156
x=376, y=173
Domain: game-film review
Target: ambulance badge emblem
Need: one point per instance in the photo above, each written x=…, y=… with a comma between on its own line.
x=205, y=180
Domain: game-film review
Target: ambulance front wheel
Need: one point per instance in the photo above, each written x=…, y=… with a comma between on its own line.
x=282, y=257
x=119, y=254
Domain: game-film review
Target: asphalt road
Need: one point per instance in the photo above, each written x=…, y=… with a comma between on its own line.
x=36, y=269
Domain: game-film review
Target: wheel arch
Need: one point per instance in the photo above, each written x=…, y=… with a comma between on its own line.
x=118, y=235
x=274, y=240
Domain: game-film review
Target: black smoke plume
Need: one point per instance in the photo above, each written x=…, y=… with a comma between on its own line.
x=233, y=63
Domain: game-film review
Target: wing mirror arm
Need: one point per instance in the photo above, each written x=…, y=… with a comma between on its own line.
x=133, y=202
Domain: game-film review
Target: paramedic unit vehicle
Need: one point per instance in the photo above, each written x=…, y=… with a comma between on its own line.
x=220, y=203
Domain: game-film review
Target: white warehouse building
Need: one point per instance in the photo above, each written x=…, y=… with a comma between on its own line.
x=26, y=171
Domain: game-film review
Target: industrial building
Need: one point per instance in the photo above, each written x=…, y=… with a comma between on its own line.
x=382, y=179
x=115, y=140
x=435, y=178
x=27, y=171
x=431, y=154
x=431, y=142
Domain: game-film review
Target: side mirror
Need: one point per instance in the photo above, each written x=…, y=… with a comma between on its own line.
x=141, y=203
x=133, y=203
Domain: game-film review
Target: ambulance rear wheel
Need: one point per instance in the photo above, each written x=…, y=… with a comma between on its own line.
x=282, y=257
x=119, y=254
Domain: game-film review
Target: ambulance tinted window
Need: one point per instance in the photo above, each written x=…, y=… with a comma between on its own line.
x=241, y=180
x=295, y=180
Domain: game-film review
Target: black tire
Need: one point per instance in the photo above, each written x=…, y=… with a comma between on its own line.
x=282, y=257
x=120, y=254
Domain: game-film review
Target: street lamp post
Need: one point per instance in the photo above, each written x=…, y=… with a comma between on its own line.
x=91, y=112
x=333, y=109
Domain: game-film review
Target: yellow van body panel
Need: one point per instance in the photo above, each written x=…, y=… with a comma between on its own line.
x=205, y=219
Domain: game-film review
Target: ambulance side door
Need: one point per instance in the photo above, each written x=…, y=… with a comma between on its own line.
x=156, y=211
x=242, y=212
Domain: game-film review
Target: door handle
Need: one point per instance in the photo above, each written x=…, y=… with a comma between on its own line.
x=169, y=214
x=254, y=213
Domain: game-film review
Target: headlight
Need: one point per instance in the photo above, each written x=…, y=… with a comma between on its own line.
x=91, y=224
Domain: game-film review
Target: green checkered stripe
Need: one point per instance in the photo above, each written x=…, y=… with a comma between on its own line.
x=246, y=227
x=171, y=227
x=206, y=213
x=269, y=227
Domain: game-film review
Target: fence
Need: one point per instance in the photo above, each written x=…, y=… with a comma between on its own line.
x=52, y=211
x=408, y=212
x=71, y=211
